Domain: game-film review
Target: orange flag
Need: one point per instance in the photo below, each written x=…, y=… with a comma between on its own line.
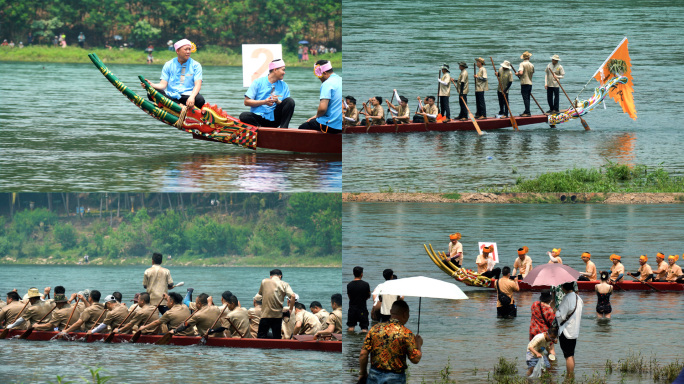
x=619, y=64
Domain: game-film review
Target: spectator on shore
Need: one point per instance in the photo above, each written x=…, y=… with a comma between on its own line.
x=29, y=40
x=21, y=44
x=170, y=45
x=55, y=41
x=107, y=45
x=11, y=44
x=81, y=40
x=4, y=43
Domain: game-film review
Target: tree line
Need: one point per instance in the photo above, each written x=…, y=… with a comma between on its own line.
x=119, y=225
x=227, y=23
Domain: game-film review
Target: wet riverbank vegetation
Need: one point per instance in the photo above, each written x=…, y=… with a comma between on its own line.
x=236, y=229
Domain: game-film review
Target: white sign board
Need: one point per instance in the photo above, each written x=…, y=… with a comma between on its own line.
x=495, y=252
x=255, y=60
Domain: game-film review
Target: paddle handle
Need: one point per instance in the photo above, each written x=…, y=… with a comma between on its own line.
x=153, y=311
x=566, y=94
x=46, y=315
x=216, y=321
x=66, y=326
x=515, y=124
x=126, y=318
x=19, y=314
x=98, y=319
x=236, y=329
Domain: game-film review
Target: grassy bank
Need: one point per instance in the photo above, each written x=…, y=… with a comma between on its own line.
x=219, y=56
x=611, y=177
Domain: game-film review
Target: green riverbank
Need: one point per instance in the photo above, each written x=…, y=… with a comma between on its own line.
x=211, y=56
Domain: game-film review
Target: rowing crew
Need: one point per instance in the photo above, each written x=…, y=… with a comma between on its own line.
x=268, y=97
x=666, y=271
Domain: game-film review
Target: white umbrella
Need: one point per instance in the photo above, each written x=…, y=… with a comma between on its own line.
x=421, y=286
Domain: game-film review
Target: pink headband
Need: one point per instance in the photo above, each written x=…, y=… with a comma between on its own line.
x=181, y=43
x=276, y=64
x=319, y=70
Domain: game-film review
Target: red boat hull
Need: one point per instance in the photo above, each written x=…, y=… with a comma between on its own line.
x=621, y=286
x=484, y=124
x=324, y=346
x=296, y=140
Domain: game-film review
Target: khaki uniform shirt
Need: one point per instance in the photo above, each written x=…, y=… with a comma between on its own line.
x=548, y=78
x=37, y=311
x=157, y=280
x=273, y=292
x=2, y=304
x=507, y=287
x=462, y=81
x=616, y=270
x=287, y=328
x=661, y=272
x=375, y=111
x=175, y=316
x=506, y=77
x=61, y=315
x=527, y=69
x=351, y=113
x=591, y=270
x=204, y=319
x=523, y=266
x=335, y=318
x=310, y=323
x=254, y=318
x=138, y=318
x=90, y=315
x=644, y=272
x=445, y=90
x=322, y=316
x=240, y=320
x=116, y=316
x=454, y=249
x=673, y=272
x=481, y=83
x=403, y=112
x=9, y=313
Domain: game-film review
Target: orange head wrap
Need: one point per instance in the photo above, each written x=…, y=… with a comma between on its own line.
x=643, y=258
x=523, y=250
x=587, y=254
x=675, y=257
x=660, y=254
x=615, y=257
x=487, y=249
x=455, y=236
x=556, y=250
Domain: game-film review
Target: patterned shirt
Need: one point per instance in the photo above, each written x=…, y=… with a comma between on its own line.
x=542, y=318
x=389, y=344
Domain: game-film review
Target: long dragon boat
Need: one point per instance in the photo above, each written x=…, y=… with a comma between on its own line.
x=484, y=124
x=473, y=279
x=318, y=345
x=213, y=124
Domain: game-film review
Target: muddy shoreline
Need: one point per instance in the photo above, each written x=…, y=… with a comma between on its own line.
x=516, y=198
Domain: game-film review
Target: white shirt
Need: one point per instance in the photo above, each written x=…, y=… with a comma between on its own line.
x=387, y=300
x=571, y=328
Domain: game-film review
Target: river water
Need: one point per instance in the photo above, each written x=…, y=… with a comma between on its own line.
x=400, y=44
x=38, y=361
x=467, y=333
x=65, y=127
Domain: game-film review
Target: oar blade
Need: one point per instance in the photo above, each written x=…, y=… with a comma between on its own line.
x=26, y=334
x=165, y=339
x=109, y=338
x=4, y=333
x=135, y=337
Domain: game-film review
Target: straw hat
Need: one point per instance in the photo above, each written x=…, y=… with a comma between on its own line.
x=555, y=57
x=480, y=60
x=33, y=292
x=525, y=55
x=506, y=64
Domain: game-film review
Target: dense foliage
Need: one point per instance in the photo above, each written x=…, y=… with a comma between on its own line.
x=208, y=22
x=299, y=225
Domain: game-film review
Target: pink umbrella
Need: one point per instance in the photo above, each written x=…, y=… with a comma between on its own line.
x=551, y=275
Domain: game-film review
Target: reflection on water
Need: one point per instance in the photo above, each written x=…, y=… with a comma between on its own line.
x=467, y=332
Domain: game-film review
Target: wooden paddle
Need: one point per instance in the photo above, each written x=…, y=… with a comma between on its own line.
x=236, y=329
x=472, y=118
x=168, y=335
x=28, y=332
x=422, y=109
x=59, y=336
x=5, y=331
x=365, y=108
x=439, y=76
x=513, y=122
x=110, y=337
x=203, y=340
x=536, y=102
x=137, y=334
x=87, y=338
x=584, y=123
x=643, y=282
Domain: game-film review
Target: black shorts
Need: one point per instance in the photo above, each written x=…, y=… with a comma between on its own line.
x=357, y=315
x=567, y=345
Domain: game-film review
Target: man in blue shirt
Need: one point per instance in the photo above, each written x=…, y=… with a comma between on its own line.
x=269, y=99
x=181, y=78
x=328, y=118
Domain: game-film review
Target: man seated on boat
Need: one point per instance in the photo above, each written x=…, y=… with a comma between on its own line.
x=317, y=309
x=174, y=317
x=204, y=318
x=554, y=256
x=60, y=316
x=351, y=114
x=181, y=77
x=645, y=273
x=89, y=315
x=236, y=322
x=268, y=99
x=428, y=112
x=674, y=271
x=485, y=264
x=617, y=270
x=141, y=316
x=34, y=312
x=334, y=322
x=400, y=113
x=590, y=270
x=116, y=314
x=661, y=270
x=254, y=314
x=328, y=117
x=306, y=323
x=523, y=264
x=376, y=115
x=11, y=311
x=455, y=249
